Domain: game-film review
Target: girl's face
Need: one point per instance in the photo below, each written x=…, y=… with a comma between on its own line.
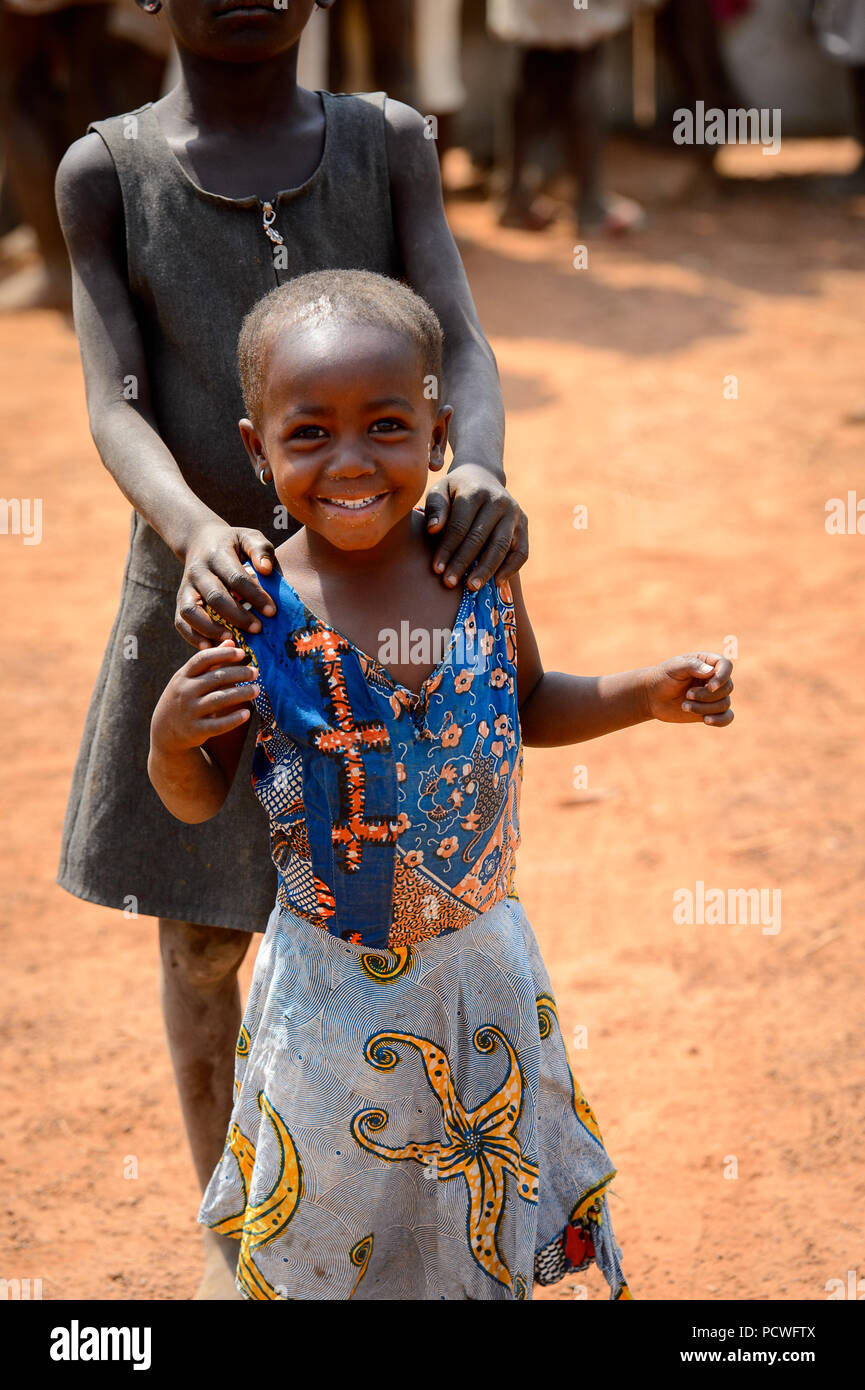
x=244, y=31
x=347, y=430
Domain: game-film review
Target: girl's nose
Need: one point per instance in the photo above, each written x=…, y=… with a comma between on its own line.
x=350, y=463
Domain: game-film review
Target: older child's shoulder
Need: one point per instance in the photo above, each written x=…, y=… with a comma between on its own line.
x=87, y=178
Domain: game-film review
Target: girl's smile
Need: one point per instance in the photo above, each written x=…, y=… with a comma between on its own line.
x=245, y=9
x=346, y=430
x=353, y=504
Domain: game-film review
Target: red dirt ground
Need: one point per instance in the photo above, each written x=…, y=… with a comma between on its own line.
x=706, y=522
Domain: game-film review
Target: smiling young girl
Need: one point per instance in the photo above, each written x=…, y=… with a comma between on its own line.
x=406, y=1124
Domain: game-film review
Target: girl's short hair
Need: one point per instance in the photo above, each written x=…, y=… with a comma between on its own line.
x=348, y=296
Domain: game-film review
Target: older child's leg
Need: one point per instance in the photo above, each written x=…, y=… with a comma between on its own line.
x=201, y=1007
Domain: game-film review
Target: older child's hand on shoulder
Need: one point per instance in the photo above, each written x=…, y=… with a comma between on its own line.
x=481, y=522
x=691, y=688
x=217, y=583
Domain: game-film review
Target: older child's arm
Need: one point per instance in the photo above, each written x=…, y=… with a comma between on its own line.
x=482, y=517
x=125, y=431
x=558, y=709
x=198, y=730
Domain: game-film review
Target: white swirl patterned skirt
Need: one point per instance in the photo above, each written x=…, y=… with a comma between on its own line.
x=406, y=1123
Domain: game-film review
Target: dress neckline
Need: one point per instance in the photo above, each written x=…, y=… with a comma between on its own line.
x=416, y=697
x=252, y=200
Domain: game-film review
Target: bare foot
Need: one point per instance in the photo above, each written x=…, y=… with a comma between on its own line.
x=527, y=214
x=610, y=214
x=220, y=1262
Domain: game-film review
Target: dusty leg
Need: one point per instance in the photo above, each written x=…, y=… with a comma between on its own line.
x=201, y=1008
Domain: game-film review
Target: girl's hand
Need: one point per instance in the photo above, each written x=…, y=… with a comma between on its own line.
x=205, y=698
x=483, y=520
x=687, y=689
x=214, y=574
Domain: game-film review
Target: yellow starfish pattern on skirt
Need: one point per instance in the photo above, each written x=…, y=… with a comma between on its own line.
x=583, y=1111
x=257, y=1225
x=588, y=1207
x=483, y=1146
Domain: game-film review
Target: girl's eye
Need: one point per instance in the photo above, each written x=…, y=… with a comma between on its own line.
x=388, y=426
x=307, y=432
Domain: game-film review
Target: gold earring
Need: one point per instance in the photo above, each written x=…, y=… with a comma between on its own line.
x=261, y=476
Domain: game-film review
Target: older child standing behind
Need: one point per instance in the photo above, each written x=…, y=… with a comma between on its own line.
x=178, y=217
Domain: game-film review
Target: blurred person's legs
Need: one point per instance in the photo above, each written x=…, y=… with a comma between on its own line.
x=688, y=30
x=437, y=45
x=391, y=27
x=31, y=118
x=596, y=207
x=857, y=86
x=390, y=30
x=559, y=92
x=202, y=1012
x=538, y=100
x=840, y=29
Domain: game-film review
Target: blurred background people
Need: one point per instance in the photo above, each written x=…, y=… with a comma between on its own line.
x=385, y=29
x=558, y=96
x=63, y=63
x=840, y=28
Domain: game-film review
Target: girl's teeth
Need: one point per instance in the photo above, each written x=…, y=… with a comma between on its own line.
x=359, y=502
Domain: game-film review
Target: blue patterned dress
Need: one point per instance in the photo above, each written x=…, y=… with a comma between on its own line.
x=406, y=1123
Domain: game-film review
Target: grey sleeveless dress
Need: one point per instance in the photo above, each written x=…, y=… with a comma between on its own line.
x=197, y=262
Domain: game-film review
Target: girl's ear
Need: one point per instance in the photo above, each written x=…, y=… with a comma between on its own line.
x=254, y=446
x=439, y=441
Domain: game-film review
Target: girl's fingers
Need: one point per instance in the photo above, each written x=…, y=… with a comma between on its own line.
x=720, y=721
x=217, y=702
x=223, y=724
x=712, y=707
x=723, y=668
x=210, y=657
x=687, y=667
x=225, y=678
x=705, y=692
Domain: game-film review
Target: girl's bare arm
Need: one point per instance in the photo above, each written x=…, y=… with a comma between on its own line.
x=557, y=709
